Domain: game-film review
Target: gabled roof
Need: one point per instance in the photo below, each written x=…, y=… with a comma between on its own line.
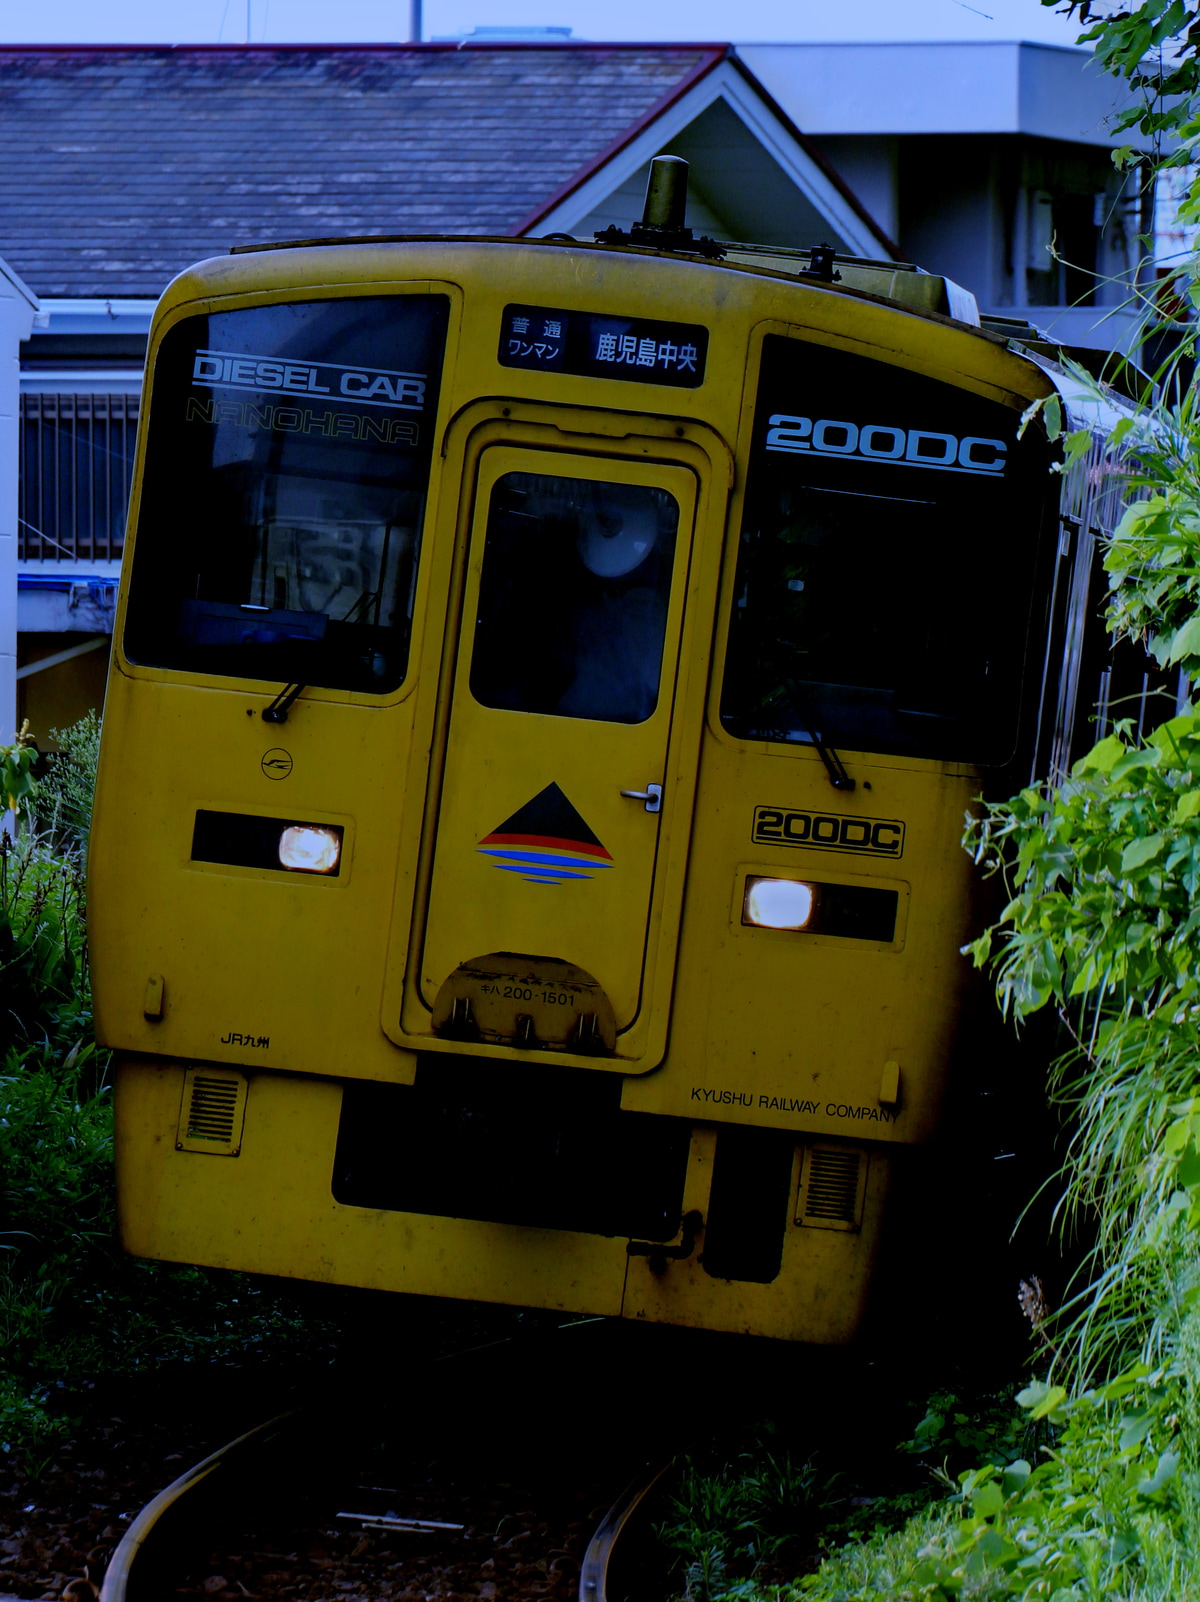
x=124, y=164
x=754, y=175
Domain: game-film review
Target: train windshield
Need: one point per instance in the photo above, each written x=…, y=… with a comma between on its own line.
x=887, y=560
x=287, y=470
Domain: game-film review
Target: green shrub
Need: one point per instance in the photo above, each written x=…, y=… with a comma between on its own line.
x=63, y=804
x=1104, y=924
x=1105, y=1511
x=43, y=979
x=729, y=1519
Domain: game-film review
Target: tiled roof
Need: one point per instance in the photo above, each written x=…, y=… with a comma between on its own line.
x=122, y=165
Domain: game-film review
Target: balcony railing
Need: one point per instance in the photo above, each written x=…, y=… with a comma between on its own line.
x=76, y=469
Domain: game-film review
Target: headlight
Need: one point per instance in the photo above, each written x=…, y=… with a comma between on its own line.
x=309, y=848
x=778, y=903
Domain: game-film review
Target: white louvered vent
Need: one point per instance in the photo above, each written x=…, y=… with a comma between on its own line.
x=832, y=1186
x=212, y=1113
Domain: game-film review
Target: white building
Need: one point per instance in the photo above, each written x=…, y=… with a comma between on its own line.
x=976, y=159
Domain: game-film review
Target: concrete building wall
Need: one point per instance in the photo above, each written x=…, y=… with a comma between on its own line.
x=1000, y=87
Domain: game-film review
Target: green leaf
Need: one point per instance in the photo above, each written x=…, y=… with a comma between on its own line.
x=1185, y=641
x=987, y=1500
x=1187, y=806
x=1032, y=1394
x=1054, y=1396
x=1187, y=1173
x=1016, y=1474
x=1101, y=758
x=1166, y=1469
x=1077, y=444
x=1134, y=1429
x=1049, y=408
x=1139, y=852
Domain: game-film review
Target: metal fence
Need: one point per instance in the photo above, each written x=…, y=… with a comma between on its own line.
x=76, y=467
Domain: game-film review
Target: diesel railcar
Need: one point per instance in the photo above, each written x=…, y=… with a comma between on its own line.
x=548, y=682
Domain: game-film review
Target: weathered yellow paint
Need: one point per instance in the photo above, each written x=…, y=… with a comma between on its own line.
x=304, y=981
x=253, y=1212
x=269, y=1211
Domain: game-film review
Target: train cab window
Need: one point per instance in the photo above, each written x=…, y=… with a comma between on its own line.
x=573, y=597
x=288, y=466
x=886, y=564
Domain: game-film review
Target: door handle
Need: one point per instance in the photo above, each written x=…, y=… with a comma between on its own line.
x=651, y=795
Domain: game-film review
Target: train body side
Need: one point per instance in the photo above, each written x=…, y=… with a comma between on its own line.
x=523, y=1044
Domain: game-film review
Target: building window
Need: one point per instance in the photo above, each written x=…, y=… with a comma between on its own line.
x=76, y=469
x=1064, y=234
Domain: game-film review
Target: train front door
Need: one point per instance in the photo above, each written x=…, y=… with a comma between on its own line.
x=568, y=768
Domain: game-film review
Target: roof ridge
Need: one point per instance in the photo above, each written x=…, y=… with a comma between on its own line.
x=383, y=46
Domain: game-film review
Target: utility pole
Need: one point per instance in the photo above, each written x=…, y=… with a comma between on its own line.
x=414, y=21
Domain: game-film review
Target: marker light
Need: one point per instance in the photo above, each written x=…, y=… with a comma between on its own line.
x=308, y=848
x=778, y=903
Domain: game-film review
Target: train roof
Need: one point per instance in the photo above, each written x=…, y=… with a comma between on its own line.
x=902, y=284
x=902, y=287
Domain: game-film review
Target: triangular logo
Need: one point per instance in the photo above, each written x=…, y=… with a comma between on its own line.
x=546, y=841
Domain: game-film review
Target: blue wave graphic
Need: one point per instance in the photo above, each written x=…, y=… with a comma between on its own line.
x=546, y=876
x=538, y=857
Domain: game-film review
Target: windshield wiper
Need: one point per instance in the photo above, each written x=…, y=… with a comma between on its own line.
x=838, y=776
x=833, y=764
x=277, y=712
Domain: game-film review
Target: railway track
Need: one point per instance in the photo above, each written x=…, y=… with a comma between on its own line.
x=474, y=1489
x=158, y=1556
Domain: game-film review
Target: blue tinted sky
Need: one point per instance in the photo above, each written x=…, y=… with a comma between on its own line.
x=281, y=21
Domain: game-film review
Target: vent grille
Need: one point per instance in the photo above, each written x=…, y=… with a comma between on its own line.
x=832, y=1187
x=213, y=1112
x=213, y=1109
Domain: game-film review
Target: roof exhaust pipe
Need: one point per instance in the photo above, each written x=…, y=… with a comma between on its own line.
x=666, y=195
x=662, y=225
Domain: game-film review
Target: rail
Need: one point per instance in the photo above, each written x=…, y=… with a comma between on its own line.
x=156, y=1544
x=147, y=1544
x=593, y=1572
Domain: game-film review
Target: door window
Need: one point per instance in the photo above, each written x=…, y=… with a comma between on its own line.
x=573, y=597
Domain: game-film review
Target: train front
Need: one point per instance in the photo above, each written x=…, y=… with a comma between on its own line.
x=547, y=687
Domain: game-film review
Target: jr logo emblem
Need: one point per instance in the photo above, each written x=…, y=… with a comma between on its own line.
x=276, y=763
x=829, y=831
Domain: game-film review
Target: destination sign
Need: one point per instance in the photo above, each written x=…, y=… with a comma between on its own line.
x=639, y=350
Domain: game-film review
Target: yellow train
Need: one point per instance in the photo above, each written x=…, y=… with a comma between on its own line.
x=548, y=682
